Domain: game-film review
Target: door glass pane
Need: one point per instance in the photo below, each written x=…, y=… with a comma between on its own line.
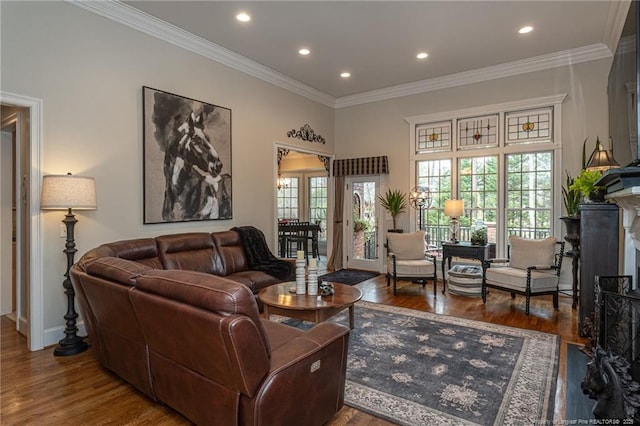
x=288, y=199
x=318, y=203
x=364, y=220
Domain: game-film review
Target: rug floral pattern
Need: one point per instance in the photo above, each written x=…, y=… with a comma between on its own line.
x=419, y=368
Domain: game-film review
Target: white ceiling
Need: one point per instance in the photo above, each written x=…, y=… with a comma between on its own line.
x=377, y=41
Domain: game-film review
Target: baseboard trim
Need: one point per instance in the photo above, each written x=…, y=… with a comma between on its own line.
x=53, y=335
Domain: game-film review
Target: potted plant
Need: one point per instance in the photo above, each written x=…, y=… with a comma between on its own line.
x=571, y=198
x=585, y=184
x=395, y=202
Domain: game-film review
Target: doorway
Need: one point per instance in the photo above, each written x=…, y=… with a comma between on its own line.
x=13, y=292
x=362, y=228
x=28, y=222
x=303, y=188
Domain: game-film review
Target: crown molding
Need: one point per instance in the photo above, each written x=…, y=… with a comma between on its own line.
x=616, y=18
x=537, y=63
x=138, y=20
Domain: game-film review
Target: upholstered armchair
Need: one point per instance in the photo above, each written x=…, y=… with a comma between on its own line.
x=406, y=259
x=532, y=269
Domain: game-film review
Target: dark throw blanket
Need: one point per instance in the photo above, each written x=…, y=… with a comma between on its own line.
x=260, y=258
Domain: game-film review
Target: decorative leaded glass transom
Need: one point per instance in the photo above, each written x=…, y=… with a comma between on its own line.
x=529, y=126
x=433, y=137
x=478, y=132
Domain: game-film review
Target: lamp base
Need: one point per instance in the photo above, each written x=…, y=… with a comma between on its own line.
x=70, y=346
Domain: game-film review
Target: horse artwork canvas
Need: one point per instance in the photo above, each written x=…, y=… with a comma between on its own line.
x=187, y=159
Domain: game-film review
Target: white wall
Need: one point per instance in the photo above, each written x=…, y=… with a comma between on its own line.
x=89, y=72
x=380, y=128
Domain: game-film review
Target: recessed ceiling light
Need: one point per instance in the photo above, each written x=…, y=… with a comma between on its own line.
x=345, y=74
x=422, y=55
x=525, y=30
x=243, y=17
x=304, y=51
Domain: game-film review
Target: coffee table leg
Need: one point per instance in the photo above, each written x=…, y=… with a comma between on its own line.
x=351, y=316
x=266, y=311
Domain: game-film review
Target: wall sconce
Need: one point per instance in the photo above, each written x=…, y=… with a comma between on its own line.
x=600, y=158
x=454, y=209
x=67, y=192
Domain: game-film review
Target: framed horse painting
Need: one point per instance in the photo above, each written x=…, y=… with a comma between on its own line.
x=187, y=159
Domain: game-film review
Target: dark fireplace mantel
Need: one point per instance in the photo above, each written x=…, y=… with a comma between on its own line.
x=619, y=179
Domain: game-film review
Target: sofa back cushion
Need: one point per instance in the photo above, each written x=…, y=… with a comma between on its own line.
x=525, y=252
x=231, y=252
x=190, y=252
x=409, y=246
x=204, y=323
x=141, y=250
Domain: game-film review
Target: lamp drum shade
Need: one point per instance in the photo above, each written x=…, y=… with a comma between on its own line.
x=68, y=192
x=453, y=208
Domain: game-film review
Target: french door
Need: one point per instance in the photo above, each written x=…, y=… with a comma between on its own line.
x=362, y=239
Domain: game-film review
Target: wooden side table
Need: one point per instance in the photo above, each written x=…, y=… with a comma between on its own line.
x=461, y=249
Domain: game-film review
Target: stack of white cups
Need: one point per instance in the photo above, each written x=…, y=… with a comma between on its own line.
x=312, y=277
x=300, y=273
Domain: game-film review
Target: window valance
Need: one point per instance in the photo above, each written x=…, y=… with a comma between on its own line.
x=361, y=166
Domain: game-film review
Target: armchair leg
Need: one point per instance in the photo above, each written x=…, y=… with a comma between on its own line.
x=555, y=300
x=484, y=293
x=513, y=295
x=527, y=303
x=395, y=284
x=388, y=279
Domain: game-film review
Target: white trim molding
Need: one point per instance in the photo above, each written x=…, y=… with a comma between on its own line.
x=131, y=17
x=138, y=20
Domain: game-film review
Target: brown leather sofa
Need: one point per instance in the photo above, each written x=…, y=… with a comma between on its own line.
x=195, y=341
x=218, y=253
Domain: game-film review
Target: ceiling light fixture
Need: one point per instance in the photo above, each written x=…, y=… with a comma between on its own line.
x=525, y=30
x=304, y=51
x=422, y=55
x=345, y=74
x=243, y=17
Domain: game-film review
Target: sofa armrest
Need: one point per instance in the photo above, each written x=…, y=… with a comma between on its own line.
x=312, y=364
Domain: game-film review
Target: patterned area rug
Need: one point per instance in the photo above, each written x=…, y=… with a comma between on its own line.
x=348, y=276
x=419, y=368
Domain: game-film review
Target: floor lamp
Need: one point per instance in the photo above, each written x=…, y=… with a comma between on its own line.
x=419, y=198
x=67, y=192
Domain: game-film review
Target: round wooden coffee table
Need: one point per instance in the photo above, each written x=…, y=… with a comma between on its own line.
x=278, y=300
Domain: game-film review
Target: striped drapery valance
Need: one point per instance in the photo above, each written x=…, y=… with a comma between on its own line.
x=361, y=166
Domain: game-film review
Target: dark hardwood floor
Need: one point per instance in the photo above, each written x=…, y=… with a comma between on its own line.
x=38, y=388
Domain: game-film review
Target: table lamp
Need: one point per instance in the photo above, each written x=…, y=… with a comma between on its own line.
x=67, y=192
x=454, y=209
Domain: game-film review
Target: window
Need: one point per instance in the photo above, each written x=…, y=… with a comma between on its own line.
x=318, y=203
x=478, y=189
x=288, y=199
x=529, y=194
x=501, y=161
x=436, y=175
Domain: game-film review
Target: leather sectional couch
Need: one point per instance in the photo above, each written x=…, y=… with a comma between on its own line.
x=161, y=316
